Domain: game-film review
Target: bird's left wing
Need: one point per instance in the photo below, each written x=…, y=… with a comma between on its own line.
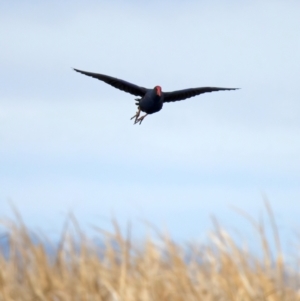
x=117, y=83
x=187, y=93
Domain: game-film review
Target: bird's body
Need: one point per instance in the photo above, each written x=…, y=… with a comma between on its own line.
x=151, y=100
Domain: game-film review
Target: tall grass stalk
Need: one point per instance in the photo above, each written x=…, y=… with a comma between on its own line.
x=121, y=270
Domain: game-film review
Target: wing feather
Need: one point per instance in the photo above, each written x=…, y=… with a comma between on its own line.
x=187, y=93
x=117, y=83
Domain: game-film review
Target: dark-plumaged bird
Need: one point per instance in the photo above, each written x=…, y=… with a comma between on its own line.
x=151, y=100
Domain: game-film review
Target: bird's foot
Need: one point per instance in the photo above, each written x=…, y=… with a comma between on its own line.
x=139, y=120
x=136, y=116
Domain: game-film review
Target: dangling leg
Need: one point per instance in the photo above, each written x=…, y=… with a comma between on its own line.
x=140, y=119
x=136, y=116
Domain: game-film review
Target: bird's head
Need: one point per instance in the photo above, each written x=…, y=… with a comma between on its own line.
x=157, y=90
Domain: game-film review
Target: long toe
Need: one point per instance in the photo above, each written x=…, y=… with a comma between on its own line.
x=139, y=120
x=136, y=116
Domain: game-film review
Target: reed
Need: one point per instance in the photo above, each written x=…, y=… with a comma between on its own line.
x=157, y=269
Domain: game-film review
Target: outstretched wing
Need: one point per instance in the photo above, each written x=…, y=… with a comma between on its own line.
x=117, y=83
x=187, y=93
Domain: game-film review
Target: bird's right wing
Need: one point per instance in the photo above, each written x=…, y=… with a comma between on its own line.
x=117, y=83
x=187, y=93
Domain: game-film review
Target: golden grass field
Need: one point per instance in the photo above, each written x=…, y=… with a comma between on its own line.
x=156, y=269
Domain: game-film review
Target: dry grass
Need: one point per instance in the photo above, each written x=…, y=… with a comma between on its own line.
x=123, y=271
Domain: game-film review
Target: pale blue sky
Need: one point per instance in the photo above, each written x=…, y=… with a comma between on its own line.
x=66, y=141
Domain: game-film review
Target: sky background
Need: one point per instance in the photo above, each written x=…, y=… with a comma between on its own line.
x=67, y=142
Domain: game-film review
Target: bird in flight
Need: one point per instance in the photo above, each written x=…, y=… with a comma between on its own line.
x=151, y=100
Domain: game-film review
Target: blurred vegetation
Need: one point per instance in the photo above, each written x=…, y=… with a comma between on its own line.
x=157, y=269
